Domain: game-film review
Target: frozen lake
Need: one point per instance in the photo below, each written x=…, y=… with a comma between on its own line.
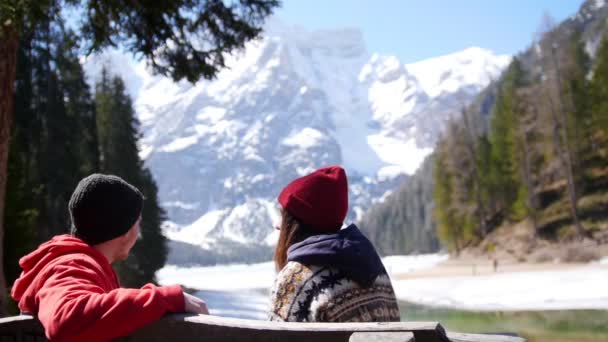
x=242, y=291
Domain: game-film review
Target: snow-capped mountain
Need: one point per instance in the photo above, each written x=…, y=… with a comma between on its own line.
x=292, y=102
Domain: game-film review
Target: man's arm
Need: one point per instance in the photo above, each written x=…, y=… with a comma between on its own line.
x=73, y=305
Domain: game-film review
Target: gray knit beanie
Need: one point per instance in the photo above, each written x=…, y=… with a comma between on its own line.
x=104, y=207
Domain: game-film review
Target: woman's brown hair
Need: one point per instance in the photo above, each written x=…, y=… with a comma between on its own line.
x=291, y=231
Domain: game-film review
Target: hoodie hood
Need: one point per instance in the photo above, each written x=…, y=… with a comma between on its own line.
x=37, y=264
x=347, y=250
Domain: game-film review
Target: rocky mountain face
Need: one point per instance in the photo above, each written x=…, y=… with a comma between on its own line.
x=289, y=103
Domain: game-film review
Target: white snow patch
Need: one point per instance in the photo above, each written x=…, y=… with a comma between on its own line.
x=306, y=138
x=395, y=264
x=382, y=198
x=359, y=213
x=275, y=217
x=220, y=278
x=391, y=100
x=580, y=288
x=169, y=227
x=234, y=226
x=406, y=155
x=473, y=66
x=599, y=3
x=390, y=172
x=182, y=205
x=211, y=113
x=303, y=171
x=272, y=238
x=145, y=150
x=180, y=144
x=196, y=232
x=245, y=304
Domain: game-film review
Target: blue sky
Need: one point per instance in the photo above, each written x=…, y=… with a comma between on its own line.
x=418, y=29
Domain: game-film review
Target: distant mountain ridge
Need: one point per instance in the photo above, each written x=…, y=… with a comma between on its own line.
x=292, y=102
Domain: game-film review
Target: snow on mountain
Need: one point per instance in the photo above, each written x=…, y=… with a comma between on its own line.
x=292, y=102
x=476, y=68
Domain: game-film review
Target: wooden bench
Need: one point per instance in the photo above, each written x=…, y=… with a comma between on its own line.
x=178, y=328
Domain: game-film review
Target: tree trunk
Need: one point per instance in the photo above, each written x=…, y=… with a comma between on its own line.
x=563, y=156
x=8, y=68
x=564, y=150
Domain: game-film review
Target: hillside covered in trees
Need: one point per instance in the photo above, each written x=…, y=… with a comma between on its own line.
x=533, y=148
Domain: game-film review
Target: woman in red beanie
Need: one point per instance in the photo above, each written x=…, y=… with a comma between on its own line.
x=326, y=274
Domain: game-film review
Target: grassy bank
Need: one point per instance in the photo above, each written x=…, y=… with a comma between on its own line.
x=536, y=326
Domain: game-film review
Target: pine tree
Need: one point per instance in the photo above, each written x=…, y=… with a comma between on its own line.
x=578, y=120
x=80, y=106
x=530, y=139
x=447, y=228
x=504, y=149
x=46, y=160
x=599, y=92
x=470, y=141
x=25, y=195
x=487, y=181
x=118, y=136
x=559, y=96
x=117, y=129
x=21, y=214
x=65, y=128
x=152, y=250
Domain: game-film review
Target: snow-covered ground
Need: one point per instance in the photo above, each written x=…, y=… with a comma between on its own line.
x=247, y=304
x=579, y=288
x=239, y=291
x=220, y=278
x=242, y=290
x=397, y=264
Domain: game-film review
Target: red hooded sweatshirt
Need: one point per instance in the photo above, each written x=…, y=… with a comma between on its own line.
x=74, y=292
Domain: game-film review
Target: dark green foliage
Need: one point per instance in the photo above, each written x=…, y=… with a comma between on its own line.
x=21, y=216
x=68, y=138
x=447, y=229
x=504, y=161
x=183, y=39
x=117, y=129
x=79, y=105
x=403, y=223
x=150, y=252
x=53, y=111
x=599, y=91
x=152, y=249
x=20, y=213
x=118, y=136
x=199, y=32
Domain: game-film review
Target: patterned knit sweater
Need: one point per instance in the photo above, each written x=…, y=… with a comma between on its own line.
x=325, y=294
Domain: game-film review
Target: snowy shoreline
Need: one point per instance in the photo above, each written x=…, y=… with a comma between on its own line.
x=242, y=290
x=582, y=287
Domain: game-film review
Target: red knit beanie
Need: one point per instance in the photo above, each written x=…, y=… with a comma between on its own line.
x=319, y=199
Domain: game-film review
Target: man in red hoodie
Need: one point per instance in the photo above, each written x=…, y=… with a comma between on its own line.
x=68, y=282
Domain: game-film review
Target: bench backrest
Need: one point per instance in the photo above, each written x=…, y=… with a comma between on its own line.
x=178, y=328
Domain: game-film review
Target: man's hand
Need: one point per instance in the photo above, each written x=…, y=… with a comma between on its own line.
x=195, y=305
